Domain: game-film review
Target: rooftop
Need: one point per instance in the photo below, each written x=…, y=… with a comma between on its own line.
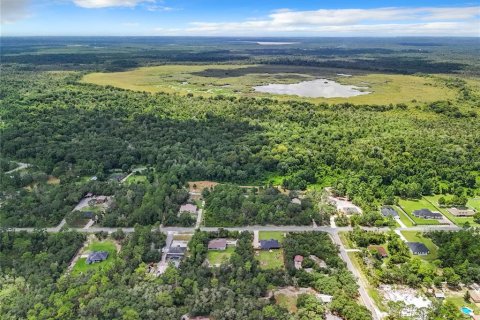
x=269, y=244
x=188, y=208
x=418, y=247
x=388, y=211
x=426, y=213
x=298, y=258
x=97, y=256
x=217, y=244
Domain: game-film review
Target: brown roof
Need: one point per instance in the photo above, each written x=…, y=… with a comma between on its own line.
x=381, y=250
x=188, y=208
x=474, y=295
x=217, y=244
x=298, y=258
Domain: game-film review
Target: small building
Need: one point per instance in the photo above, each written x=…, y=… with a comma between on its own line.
x=381, y=250
x=427, y=214
x=177, y=252
x=418, y=248
x=440, y=295
x=297, y=260
x=97, y=256
x=217, y=244
x=461, y=212
x=296, y=201
x=269, y=244
x=190, y=208
x=388, y=211
x=474, y=295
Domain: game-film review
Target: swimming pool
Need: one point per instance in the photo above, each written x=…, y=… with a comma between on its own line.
x=467, y=310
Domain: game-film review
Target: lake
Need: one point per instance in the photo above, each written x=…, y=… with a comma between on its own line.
x=319, y=88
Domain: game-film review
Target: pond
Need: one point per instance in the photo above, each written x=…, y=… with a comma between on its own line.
x=319, y=88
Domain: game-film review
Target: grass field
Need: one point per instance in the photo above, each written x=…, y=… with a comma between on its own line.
x=208, y=80
x=459, y=302
x=411, y=205
x=270, y=260
x=403, y=217
x=414, y=236
x=474, y=203
x=288, y=302
x=218, y=257
x=267, y=235
x=107, y=245
x=136, y=179
x=459, y=221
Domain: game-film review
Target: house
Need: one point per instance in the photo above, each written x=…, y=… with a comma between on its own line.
x=418, y=248
x=269, y=244
x=461, y=212
x=217, y=244
x=190, y=208
x=296, y=201
x=297, y=260
x=176, y=252
x=97, y=256
x=474, y=295
x=381, y=250
x=388, y=211
x=427, y=214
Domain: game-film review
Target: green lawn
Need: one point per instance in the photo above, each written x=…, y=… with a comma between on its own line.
x=414, y=236
x=474, y=203
x=459, y=302
x=107, y=245
x=403, y=217
x=346, y=242
x=136, y=179
x=219, y=257
x=459, y=221
x=411, y=205
x=267, y=235
x=270, y=260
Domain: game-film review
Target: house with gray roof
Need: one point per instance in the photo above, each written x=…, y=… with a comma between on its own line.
x=388, y=211
x=97, y=256
x=427, y=214
x=418, y=248
x=269, y=244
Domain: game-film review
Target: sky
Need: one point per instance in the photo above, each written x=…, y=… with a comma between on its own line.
x=239, y=18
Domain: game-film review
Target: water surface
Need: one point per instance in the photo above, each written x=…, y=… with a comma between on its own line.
x=319, y=88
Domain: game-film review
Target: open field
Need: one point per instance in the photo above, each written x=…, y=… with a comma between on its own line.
x=107, y=245
x=403, y=217
x=415, y=204
x=208, y=80
x=267, y=235
x=270, y=260
x=218, y=257
x=474, y=203
x=459, y=221
x=287, y=301
x=414, y=236
x=136, y=179
x=460, y=302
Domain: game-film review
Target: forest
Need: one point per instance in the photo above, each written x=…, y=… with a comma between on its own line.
x=230, y=205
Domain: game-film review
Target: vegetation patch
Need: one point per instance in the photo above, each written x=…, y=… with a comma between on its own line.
x=217, y=257
x=107, y=245
x=272, y=259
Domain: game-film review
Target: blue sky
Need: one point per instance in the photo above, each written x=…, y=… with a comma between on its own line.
x=240, y=18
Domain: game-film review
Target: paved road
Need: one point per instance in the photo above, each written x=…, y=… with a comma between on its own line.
x=362, y=290
x=253, y=228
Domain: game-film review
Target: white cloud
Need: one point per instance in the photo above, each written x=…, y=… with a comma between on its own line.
x=13, y=10
x=160, y=8
x=108, y=3
x=377, y=21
